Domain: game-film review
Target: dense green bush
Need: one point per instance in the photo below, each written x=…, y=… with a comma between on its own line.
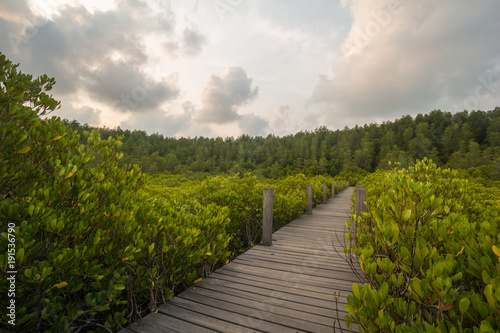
x=428, y=246
x=91, y=251
x=354, y=174
x=243, y=196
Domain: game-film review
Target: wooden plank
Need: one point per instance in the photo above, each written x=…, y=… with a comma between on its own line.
x=335, y=271
x=317, y=256
x=326, y=245
x=319, y=227
x=325, y=248
x=158, y=322
x=272, y=305
x=267, y=217
x=194, y=316
x=293, y=269
x=322, y=249
x=304, y=261
x=292, y=276
x=256, y=310
x=292, y=284
x=292, y=293
x=283, y=300
x=313, y=228
x=275, y=297
x=232, y=320
x=321, y=272
x=274, y=281
x=325, y=294
x=309, y=199
x=311, y=261
x=315, y=225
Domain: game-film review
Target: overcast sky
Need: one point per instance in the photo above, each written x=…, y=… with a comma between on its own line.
x=231, y=67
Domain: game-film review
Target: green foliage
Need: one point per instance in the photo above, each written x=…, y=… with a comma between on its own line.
x=242, y=196
x=92, y=251
x=428, y=247
x=461, y=140
x=354, y=174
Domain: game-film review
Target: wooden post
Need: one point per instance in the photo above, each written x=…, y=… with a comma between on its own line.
x=333, y=190
x=267, y=217
x=360, y=200
x=309, y=199
x=324, y=193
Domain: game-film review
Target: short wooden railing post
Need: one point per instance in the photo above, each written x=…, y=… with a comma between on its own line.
x=267, y=217
x=309, y=199
x=324, y=193
x=333, y=190
x=360, y=200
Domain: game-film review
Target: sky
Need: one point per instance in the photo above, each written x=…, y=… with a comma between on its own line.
x=211, y=68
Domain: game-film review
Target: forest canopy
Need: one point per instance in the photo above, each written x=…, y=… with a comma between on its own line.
x=462, y=140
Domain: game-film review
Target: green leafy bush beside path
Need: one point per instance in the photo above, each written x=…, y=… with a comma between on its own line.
x=429, y=248
x=92, y=252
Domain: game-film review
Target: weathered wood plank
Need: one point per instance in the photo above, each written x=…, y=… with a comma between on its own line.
x=257, y=311
x=315, y=262
x=327, y=291
x=158, y=322
x=232, y=321
x=320, y=272
x=292, y=275
x=290, y=292
x=267, y=217
x=272, y=305
x=203, y=319
x=285, y=286
x=317, y=256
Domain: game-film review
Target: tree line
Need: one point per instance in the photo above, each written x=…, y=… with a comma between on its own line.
x=461, y=140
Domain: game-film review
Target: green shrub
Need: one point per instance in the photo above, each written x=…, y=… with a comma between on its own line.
x=91, y=250
x=428, y=246
x=353, y=173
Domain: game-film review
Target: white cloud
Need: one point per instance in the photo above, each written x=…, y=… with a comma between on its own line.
x=137, y=62
x=409, y=57
x=223, y=95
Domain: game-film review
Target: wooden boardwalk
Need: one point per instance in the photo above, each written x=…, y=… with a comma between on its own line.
x=288, y=287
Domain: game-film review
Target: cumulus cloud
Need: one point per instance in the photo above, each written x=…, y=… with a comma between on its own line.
x=222, y=95
x=101, y=53
x=192, y=41
x=127, y=87
x=408, y=57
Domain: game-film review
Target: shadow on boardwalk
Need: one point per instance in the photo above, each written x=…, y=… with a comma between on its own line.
x=288, y=287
